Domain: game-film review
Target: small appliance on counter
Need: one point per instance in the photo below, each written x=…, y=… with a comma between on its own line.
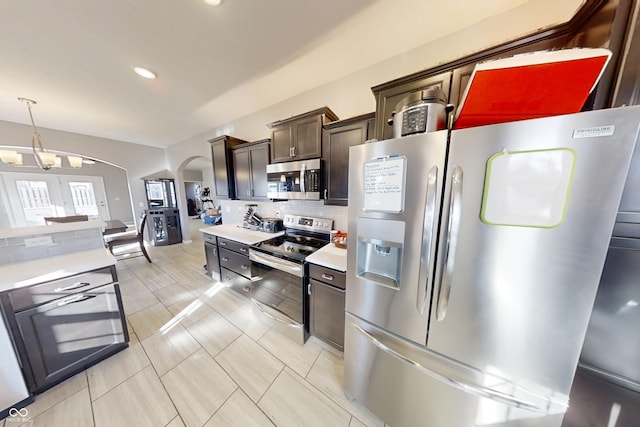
x=272, y=225
x=251, y=220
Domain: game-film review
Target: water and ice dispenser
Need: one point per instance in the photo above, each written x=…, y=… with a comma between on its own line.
x=379, y=251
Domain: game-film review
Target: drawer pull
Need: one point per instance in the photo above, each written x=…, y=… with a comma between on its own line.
x=225, y=259
x=244, y=267
x=75, y=299
x=327, y=276
x=222, y=243
x=243, y=250
x=70, y=287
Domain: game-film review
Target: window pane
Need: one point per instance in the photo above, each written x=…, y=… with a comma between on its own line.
x=84, y=198
x=35, y=201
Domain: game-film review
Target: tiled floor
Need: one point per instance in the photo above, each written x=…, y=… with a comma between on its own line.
x=197, y=357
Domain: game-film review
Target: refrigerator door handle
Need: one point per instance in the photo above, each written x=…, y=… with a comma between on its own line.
x=453, y=227
x=428, y=230
x=468, y=387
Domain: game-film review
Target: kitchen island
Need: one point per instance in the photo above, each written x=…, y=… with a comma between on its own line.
x=60, y=300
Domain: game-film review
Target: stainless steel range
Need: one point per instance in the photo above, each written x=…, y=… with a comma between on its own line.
x=278, y=297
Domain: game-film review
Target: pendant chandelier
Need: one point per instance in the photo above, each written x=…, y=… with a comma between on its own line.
x=44, y=159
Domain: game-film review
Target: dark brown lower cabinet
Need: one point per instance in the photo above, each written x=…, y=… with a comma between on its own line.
x=235, y=266
x=326, y=305
x=80, y=323
x=67, y=335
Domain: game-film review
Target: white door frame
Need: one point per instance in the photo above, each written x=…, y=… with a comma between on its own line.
x=59, y=193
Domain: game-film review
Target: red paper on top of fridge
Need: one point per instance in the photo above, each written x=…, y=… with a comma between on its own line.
x=531, y=85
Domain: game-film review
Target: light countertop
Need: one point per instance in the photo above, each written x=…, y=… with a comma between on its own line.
x=239, y=234
x=48, y=229
x=329, y=256
x=21, y=274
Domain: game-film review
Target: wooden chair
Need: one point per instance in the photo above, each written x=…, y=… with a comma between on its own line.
x=128, y=239
x=63, y=219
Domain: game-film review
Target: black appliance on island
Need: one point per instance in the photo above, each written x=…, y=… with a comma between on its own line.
x=278, y=296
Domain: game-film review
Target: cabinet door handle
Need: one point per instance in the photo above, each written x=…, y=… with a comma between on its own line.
x=327, y=276
x=74, y=286
x=325, y=194
x=293, y=151
x=225, y=259
x=309, y=289
x=74, y=299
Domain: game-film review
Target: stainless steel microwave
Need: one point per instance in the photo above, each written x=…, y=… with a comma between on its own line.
x=300, y=180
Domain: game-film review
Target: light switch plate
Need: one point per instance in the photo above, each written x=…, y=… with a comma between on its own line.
x=38, y=241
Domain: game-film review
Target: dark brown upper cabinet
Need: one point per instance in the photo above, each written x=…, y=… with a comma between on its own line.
x=222, y=159
x=250, y=170
x=337, y=138
x=299, y=137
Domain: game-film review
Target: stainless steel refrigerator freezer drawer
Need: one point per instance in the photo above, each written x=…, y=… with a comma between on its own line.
x=406, y=385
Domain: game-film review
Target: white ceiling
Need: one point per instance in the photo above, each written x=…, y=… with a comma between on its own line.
x=75, y=57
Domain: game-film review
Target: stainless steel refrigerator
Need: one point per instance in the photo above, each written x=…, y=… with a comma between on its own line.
x=473, y=262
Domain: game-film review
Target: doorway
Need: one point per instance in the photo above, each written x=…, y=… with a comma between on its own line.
x=39, y=196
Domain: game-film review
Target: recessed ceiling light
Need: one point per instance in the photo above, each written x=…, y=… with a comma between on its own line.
x=143, y=72
x=213, y=2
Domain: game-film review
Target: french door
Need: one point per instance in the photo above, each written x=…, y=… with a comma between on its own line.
x=32, y=197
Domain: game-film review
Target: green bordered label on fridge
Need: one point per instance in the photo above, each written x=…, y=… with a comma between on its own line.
x=528, y=188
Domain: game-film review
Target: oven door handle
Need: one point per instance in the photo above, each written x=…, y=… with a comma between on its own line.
x=260, y=306
x=277, y=263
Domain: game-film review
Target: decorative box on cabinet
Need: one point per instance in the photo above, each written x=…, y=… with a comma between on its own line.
x=222, y=159
x=250, y=170
x=337, y=138
x=299, y=137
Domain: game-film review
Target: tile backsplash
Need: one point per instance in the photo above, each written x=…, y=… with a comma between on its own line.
x=14, y=249
x=233, y=211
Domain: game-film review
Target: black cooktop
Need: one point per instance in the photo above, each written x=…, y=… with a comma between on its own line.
x=291, y=246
